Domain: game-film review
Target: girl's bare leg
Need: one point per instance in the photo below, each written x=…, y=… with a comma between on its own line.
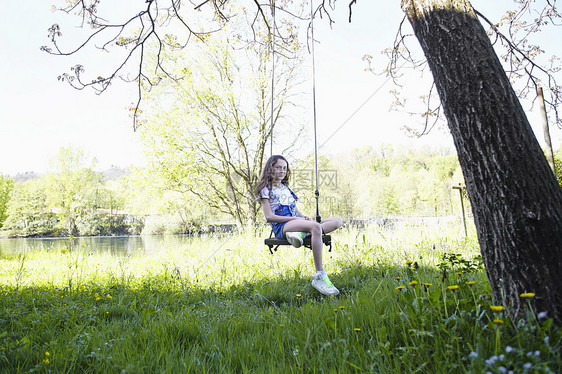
x=331, y=224
x=315, y=230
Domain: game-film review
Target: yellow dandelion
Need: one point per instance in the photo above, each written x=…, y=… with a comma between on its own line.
x=299, y=295
x=428, y=284
x=98, y=299
x=496, y=308
x=409, y=262
x=96, y=295
x=109, y=296
x=357, y=329
x=470, y=283
x=63, y=251
x=398, y=278
x=47, y=354
x=459, y=274
x=342, y=307
x=413, y=283
x=46, y=361
x=453, y=288
x=527, y=295
x=498, y=321
x=106, y=312
x=81, y=288
x=400, y=288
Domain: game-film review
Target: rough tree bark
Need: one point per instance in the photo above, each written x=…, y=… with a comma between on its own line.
x=516, y=201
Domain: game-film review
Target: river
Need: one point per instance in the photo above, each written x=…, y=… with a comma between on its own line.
x=118, y=245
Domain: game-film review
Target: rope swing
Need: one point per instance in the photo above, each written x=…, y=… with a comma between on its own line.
x=273, y=243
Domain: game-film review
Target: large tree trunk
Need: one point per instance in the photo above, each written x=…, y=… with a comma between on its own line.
x=516, y=201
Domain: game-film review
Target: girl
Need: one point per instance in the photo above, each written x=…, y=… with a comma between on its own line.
x=278, y=203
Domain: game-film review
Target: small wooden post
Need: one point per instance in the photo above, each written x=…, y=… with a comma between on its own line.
x=460, y=187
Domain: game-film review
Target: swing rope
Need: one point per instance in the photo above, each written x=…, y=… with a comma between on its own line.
x=272, y=72
x=317, y=191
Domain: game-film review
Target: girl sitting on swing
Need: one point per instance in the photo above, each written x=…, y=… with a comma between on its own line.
x=278, y=203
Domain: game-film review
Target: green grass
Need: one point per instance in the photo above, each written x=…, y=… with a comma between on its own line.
x=226, y=305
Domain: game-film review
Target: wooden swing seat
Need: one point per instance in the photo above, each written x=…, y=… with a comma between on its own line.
x=273, y=243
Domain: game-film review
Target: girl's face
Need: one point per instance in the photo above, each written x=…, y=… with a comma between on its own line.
x=279, y=170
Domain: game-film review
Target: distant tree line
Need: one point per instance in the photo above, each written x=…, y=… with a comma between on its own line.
x=369, y=182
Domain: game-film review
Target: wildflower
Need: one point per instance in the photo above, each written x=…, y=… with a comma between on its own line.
x=96, y=295
x=413, y=283
x=81, y=288
x=496, y=308
x=46, y=361
x=109, y=296
x=459, y=274
x=342, y=307
x=400, y=288
x=398, y=278
x=98, y=298
x=498, y=321
x=546, y=339
x=509, y=349
x=453, y=288
x=528, y=365
x=299, y=295
x=542, y=315
x=357, y=329
x=502, y=369
x=409, y=262
x=502, y=357
x=527, y=295
x=473, y=354
x=537, y=353
x=470, y=283
x=63, y=251
x=47, y=354
x=427, y=284
x=281, y=325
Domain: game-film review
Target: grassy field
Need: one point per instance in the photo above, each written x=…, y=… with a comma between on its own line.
x=413, y=300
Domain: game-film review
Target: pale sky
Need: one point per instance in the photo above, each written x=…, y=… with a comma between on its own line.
x=38, y=114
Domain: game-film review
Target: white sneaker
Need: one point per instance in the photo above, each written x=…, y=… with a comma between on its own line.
x=295, y=238
x=323, y=284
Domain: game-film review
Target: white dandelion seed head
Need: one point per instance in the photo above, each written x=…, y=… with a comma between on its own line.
x=542, y=315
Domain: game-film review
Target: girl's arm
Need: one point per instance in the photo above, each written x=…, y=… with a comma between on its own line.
x=270, y=216
x=299, y=214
